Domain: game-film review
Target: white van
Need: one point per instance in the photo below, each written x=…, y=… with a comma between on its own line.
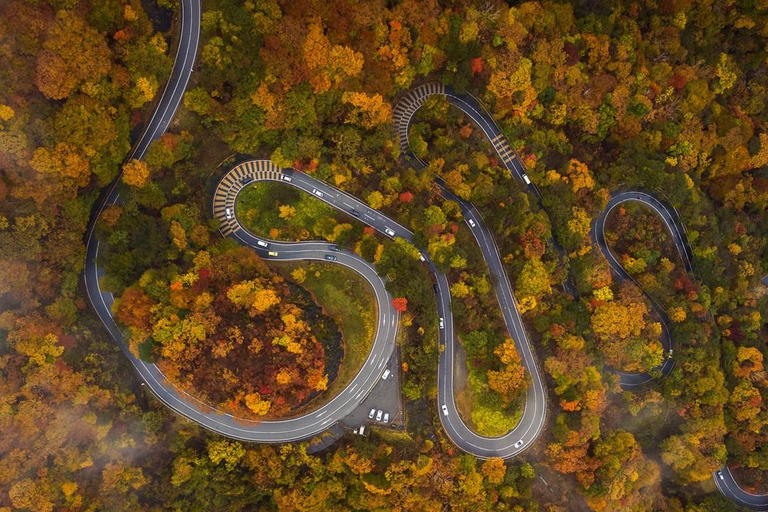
x=526, y=179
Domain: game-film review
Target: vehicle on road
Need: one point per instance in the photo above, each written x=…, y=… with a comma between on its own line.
x=287, y=178
x=422, y=258
x=354, y=212
x=720, y=475
x=442, y=323
x=445, y=410
x=526, y=179
x=247, y=179
x=386, y=417
x=669, y=354
x=330, y=257
x=471, y=223
x=372, y=413
x=229, y=213
x=272, y=253
x=436, y=288
x=317, y=192
x=378, y=414
x=519, y=444
x=262, y=243
x=334, y=247
x=385, y=374
x=389, y=231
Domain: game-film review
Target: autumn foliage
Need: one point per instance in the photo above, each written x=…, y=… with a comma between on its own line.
x=229, y=332
x=400, y=304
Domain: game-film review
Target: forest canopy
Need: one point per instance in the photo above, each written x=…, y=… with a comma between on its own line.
x=668, y=97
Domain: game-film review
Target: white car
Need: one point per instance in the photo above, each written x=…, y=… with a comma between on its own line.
x=378, y=414
x=229, y=213
x=669, y=355
x=262, y=243
x=286, y=178
x=526, y=179
x=422, y=258
x=471, y=223
x=389, y=231
x=372, y=413
x=519, y=444
x=385, y=374
x=386, y=417
x=317, y=192
x=442, y=323
x=720, y=475
x=445, y=410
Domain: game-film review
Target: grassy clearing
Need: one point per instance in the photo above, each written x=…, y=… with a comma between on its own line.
x=479, y=407
x=480, y=327
x=281, y=212
x=349, y=299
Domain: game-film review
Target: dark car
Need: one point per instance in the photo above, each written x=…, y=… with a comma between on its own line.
x=247, y=179
x=436, y=288
x=334, y=248
x=354, y=212
x=330, y=257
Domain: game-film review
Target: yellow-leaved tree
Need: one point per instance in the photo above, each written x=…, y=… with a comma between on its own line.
x=136, y=173
x=369, y=111
x=254, y=402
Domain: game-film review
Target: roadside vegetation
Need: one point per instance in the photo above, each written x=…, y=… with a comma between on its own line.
x=348, y=299
x=281, y=212
x=224, y=327
x=667, y=96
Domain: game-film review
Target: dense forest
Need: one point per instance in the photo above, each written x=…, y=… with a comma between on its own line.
x=669, y=97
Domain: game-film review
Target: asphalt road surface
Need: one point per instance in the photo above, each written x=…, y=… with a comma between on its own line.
x=725, y=482
x=535, y=409
x=481, y=446
x=183, y=403
x=723, y=478
x=634, y=380
x=534, y=414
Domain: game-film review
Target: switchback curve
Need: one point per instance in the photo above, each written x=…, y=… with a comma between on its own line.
x=535, y=411
x=723, y=477
x=635, y=380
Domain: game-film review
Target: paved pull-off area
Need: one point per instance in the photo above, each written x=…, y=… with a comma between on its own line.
x=534, y=414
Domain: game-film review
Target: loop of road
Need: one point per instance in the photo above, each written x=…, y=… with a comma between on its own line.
x=534, y=413
x=635, y=380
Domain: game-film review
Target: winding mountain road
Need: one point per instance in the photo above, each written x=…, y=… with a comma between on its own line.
x=723, y=478
x=480, y=446
x=245, y=173
x=181, y=402
x=535, y=410
x=534, y=414
x=727, y=485
x=634, y=380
